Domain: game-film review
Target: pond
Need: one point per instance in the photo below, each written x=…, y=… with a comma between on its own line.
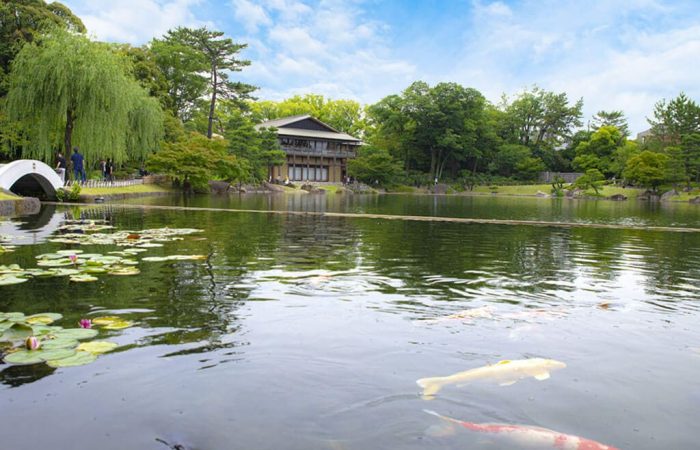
x=308, y=332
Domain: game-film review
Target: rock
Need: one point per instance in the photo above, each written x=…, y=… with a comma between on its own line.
x=649, y=196
x=311, y=189
x=219, y=187
x=541, y=194
x=272, y=187
x=667, y=195
x=695, y=201
x=618, y=197
x=440, y=188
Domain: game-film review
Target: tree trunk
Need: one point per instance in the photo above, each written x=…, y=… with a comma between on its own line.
x=212, y=106
x=68, y=136
x=433, y=163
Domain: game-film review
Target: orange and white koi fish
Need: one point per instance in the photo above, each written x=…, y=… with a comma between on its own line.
x=503, y=372
x=528, y=436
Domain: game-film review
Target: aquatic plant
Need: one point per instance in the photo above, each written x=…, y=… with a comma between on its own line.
x=33, y=340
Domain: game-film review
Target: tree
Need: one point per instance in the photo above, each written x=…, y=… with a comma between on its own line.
x=67, y=89
x=343, y=115
x=507, y=158
x=373, y=166
x=677, y=123
x=599, y=150
x=539, y=118
x=259, y=148
x=592, y=179
x=219, y=56
x=615, y=119
x=196, y=160
x=647, y=169
x=21, y=21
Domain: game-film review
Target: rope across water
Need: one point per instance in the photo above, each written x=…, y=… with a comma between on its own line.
x=537, y=223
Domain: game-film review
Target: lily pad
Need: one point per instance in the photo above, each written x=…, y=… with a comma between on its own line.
x=76, y=333
x=106, y=320
x=23, y=357
x=43, y=318
x=130, y=270
x=69, y=252
x=17, y=332
x=6, y=280
x=79, y=359
x=60, y=342
x=82, y=278
x=66, y=272
x=120, y=325
x=97, y=347
x=37, y=356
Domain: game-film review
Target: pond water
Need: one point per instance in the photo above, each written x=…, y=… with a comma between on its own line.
x=307, y=332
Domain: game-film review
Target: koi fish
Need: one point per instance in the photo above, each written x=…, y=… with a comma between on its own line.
x=504, y=372
x=466, y=315
x=528, y=436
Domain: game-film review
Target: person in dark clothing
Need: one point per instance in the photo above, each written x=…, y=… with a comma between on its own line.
x=109, y=170
x=61, y=166
x=78, y=165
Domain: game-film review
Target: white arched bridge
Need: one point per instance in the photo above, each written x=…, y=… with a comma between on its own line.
x=28, y=177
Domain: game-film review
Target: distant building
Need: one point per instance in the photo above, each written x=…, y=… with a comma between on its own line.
x=315, y=151
x=644, y=136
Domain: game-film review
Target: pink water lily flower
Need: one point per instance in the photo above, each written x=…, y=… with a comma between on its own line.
x=73, y=258
x=85, y=323
x=32, y=343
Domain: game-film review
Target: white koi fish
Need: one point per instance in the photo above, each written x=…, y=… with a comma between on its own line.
x=504, y=372
x=529, y=437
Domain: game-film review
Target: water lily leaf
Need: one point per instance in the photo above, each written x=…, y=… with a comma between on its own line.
x=5, y=325
x=41, y=330
x=79, y=359
x=54, y=262
x=76, y=333
x=6, y=280
x=124, y=271
x=119, y=325
x=17, y=332
x=68, y=252
x=43, y=318
x=12, y=316
x=66, y=272
x=23, y=357
x=106, y=320
x=82, y=278
x=61, y=342
x=97, y=347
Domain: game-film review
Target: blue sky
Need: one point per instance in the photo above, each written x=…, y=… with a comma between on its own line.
x=616, y=54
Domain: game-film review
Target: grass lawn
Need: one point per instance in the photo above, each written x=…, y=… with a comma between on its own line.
x=524, y=189
x=137, y=188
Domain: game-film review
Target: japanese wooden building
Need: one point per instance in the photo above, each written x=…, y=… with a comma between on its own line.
x=315, y=151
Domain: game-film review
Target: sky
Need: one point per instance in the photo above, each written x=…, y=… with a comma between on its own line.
x=615, y=54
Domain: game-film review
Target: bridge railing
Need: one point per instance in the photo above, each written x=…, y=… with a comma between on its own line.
x=105, y=184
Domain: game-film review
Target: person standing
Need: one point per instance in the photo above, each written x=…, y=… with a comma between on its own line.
x=103, y=169
x=109, y=170
x=61, y=166
x=78, y=165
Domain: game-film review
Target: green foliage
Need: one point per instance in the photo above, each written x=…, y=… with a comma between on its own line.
x=611, y=119
x=529, y=168
x=507, y=158
x=66, y=195
x=558, y=186
x=647, y=169
x=212, y=54
x=598, y=151
x=195, y=161
x=374, y=166
x=259, y=148
x=343, y=115
x=66, y=90
x=540, y=119
x=592, y=179
x=21, y=21
x=677, y=123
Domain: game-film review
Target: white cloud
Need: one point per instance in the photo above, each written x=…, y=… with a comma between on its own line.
x=615, y=54
x=134, y=21
x=250, y=14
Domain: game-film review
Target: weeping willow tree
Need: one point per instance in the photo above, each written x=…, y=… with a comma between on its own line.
x=69, y=91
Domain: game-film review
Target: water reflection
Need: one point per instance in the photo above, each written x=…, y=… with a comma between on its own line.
x=321, y=326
